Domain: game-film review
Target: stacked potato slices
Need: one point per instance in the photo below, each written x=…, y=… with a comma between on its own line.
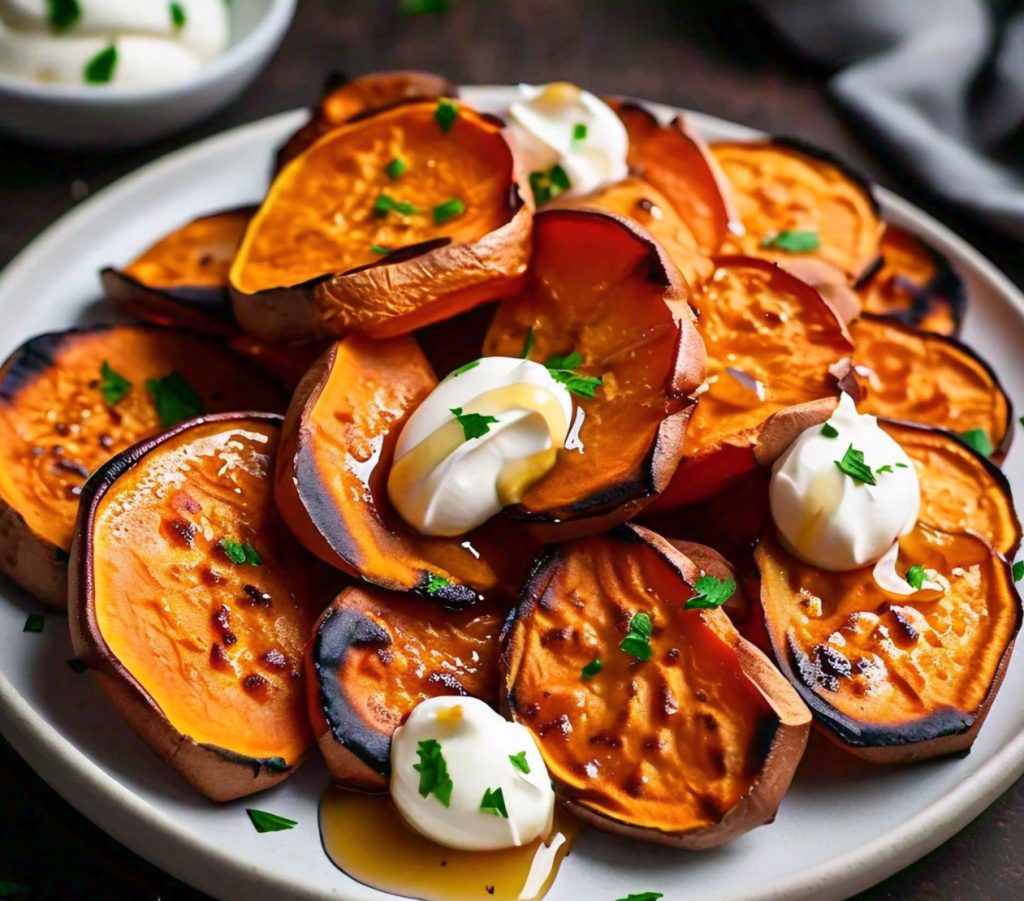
x=722, y=298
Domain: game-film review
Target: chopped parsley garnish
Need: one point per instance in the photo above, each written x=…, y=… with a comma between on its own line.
x=547, y=185
x=240, y=552
x=474, y=425
x=889, y=467
x=643, y=896
x=384, y=205
x=178, y=17
x=396, y=168
x=637, y=642
x=1018, y=570
x=113, y=386
x=465, y=367
x=175, y=399
x=448, y=210
x=579, y=132
x=916, y=577
x=436, y=584
x=269, y=822
x=445, y=115
x=494, y=802
x=528, y=343
x=77, y=665
x=519, y=762
x=411, y=8
x=591, y=669
x=433, y=770
x=563, y=370
x=854, y=466
x=829, y=430
x=978, y=440
x=34, y=622
x=100, y=69
x=380, y=248
x=63, y=14
x=711, y=592
x=793, y=241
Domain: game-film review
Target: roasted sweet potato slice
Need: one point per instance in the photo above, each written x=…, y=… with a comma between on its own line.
x=754, y=318
x=384, y=225
x=793, y=199
x=906, y=373
x=600, y=288
x=345, y=100
x=191, y=602
x=692, y=746
x=637, y=200
x=915, y=285
x=894, y=679
x=71, y=400
x=374, y=656
x=339, y=440
x=674, y=161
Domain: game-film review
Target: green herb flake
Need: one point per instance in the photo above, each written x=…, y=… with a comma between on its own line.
x=579, y=133
x=711, y=592
x=882, y=470
x=384, y=205
x=240, y=552
x=474, y=425
x=396, y=168
x=563, y=370
x=528, y=343
x=854, y=466
x=591, y=669
x=465, y=367
x=1018, y=570
x=637, y=642
x=269, y=822
x=62, y=15
x=380, y=248
x=916, y=577
x=411, y=8
x=643, y=896
x=76, y=665
x=100, y=69
x=113, y=386
x=175, y=399
x=445, y=115
x=793, y=241
x=519, y=762
x=549, y=184
x=445, y=212
x=436, y=584
x=178, y=17
x=829, y=430
x=433, y=770
x=494, y=802
x=977, y=439
x=34, y=622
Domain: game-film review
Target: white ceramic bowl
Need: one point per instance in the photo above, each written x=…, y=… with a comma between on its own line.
x=84, y=117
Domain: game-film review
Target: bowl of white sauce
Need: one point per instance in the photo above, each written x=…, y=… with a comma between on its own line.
x=93, y=74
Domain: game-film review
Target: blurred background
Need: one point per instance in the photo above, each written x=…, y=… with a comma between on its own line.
x=772, y=65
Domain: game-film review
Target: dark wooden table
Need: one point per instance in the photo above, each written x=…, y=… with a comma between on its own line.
x=714, y=57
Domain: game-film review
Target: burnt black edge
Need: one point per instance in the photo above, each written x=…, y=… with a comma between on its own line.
x=212, y=303
x=274, y=766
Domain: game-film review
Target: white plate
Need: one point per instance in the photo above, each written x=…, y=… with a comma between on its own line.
x=842, y=827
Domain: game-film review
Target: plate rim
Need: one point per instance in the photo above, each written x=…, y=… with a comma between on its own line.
x=116, y=809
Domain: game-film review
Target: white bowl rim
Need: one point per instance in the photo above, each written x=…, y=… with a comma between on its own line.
x=268, y=29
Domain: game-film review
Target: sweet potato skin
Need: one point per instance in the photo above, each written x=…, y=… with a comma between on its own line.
x=219, y=773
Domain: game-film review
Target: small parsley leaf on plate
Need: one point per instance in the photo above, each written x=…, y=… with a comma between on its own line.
x=448, y=210
x=385, y=204
x=113, y=386
x=465, y=367
x=433, y=770
x=563, y=370
x=977, y=439
x=240, y=552
x=269, y=822
x=916, y=577
x=829, y=430
x=591, y=669
x=63, y=15
x=436, y=584
x=100, y=69
x=637, y=642
x=175, y=399
x=493, y=801
x=854, y=466
x=711, y=592
x=519, y=762
x=474, y=425
x=793, y=241
x=1018, y=570
x=396, y=168
x=445, y=115
x=528, y=343
x=178, y=16
x=34, y=622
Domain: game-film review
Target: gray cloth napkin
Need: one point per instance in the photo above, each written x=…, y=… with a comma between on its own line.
x=938, y=83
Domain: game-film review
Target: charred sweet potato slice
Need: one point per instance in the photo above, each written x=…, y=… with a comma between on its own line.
x=374, y=656
x=384, y=225
x=675, y=162
x=339, y=440
x=637, y=200
x=191, y=602
x=71, y=400
x=600, y=288
x=362, y=96
x=754, y=318
x=915, y=285
x=690, y=744
x=891, y=678
x=906, y=373
x=795, y=200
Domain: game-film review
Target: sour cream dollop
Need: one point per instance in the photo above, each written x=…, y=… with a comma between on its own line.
x=482, y=752
x=154, y=42
x=830, y=519
x=561, y=124
x=442, y=481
